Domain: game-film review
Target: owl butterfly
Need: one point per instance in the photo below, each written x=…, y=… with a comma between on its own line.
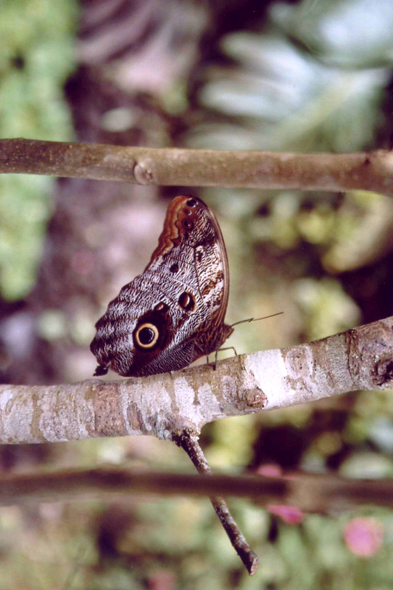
x=173, y=313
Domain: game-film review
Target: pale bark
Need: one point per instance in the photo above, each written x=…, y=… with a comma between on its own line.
x=371, y=171
x=169, y=404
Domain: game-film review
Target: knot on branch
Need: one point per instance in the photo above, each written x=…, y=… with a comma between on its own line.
x=383, y=374
x=370, y=354
x=143, y=171
x=241, y=389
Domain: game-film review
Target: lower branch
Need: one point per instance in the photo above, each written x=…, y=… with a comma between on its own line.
x=310, y=493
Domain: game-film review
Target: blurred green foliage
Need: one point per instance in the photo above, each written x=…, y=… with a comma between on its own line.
x=178, y=542
x=306, y=83
x=36, y=56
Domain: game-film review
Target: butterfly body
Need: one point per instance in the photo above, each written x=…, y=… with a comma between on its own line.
x=173, y=313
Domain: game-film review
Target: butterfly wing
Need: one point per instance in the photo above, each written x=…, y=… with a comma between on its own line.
x=174, y=312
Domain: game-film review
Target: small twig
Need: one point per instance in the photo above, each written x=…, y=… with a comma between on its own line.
x=190, y=443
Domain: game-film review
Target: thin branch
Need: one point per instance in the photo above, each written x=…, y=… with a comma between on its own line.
x=310, y=493
x=164, y=405
x=190, y=443
x=371, y=171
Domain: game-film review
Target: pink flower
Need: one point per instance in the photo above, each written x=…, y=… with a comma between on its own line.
x=269, y=470
x=273, y=470
x=161, y=580
x=363, y=536
x=289, y=514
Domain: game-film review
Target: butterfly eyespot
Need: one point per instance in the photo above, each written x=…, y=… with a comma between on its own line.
x=174, y=268
x=191, y=203
x=146, y=335
x=187, y=224
x=187, y=301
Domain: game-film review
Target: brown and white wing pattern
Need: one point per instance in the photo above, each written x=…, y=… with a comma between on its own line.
x=172, y=313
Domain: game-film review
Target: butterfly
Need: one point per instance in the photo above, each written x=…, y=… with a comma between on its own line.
x=173, y=313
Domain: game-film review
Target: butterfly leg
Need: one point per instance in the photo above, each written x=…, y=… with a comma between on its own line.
x=229, y=348
x=217, y=351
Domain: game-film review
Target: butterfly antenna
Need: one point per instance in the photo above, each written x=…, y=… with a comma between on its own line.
x=256, y=319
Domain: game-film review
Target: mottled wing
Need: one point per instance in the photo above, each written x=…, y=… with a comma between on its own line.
x=174, y=312
x=204, y=263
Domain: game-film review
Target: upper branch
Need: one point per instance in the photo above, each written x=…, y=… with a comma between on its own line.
x=165, y=405
x=371, y=171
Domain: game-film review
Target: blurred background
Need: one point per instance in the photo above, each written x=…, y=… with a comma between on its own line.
x=308, y=75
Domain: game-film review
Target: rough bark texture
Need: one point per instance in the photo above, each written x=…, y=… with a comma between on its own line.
x=165, y=405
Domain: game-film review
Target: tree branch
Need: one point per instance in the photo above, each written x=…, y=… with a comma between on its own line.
x=190, y=443
x=166, y=405
x=371, y=171
x=310, y=493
